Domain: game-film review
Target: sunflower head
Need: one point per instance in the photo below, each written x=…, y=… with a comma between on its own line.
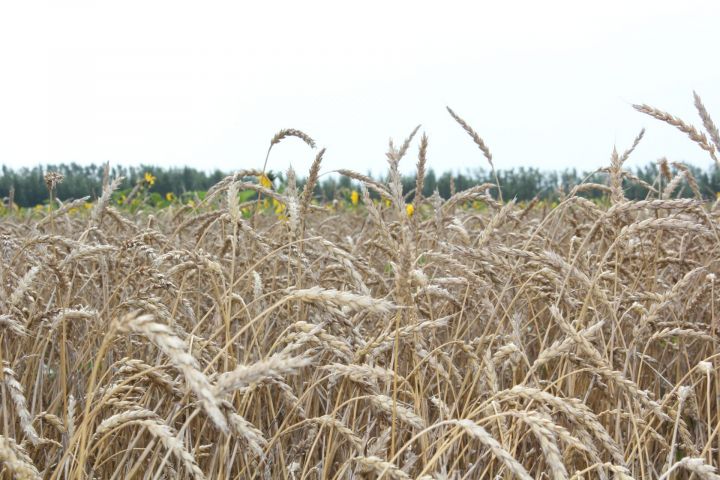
x=265, y=181
x=410, y=209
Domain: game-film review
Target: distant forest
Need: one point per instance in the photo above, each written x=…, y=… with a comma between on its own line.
x=522, y=183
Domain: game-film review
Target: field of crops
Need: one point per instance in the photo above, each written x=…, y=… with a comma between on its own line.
x=402, y=338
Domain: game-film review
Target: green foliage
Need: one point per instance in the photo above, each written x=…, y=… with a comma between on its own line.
x=188, y=183
x=29, y=186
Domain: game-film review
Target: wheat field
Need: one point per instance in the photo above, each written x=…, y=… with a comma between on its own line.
x=407, y=338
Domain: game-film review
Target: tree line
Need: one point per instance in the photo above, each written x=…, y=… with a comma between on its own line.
x=27, y=186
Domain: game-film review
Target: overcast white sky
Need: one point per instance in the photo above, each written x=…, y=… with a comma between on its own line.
x=547, y=84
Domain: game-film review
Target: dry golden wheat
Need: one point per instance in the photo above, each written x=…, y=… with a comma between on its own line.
x=514, y=341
